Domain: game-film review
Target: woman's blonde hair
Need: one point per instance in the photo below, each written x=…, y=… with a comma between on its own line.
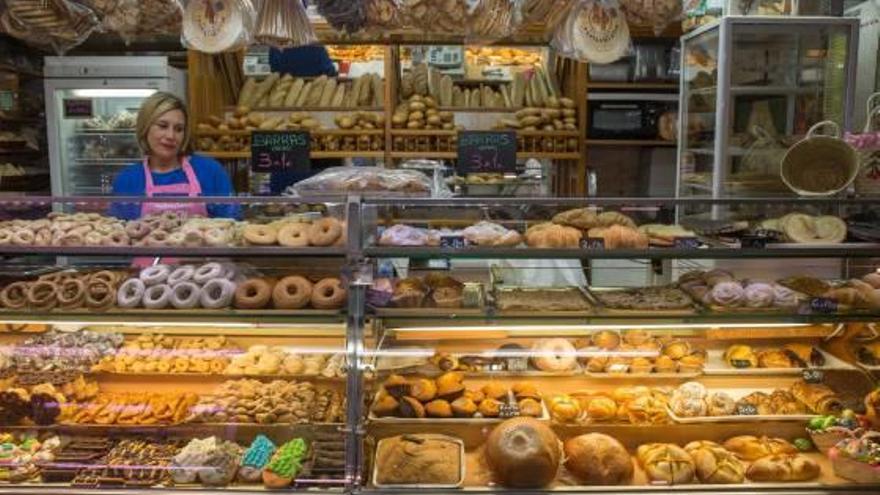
x=151, y=110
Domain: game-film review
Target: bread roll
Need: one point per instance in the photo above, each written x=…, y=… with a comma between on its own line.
x=597, y=459
x=523, y=453
x=667, y=463
x=783, y=467
x=751, y=448
x=715, y=464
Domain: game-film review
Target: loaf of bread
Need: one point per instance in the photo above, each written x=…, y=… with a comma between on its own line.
x=597, y=459
x=419, y=459
x=715, y=464
x=751, y=448
x=666, y=463
x=523, y=453
x=783, y=467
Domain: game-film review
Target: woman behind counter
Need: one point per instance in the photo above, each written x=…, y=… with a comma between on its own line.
x=169, y=168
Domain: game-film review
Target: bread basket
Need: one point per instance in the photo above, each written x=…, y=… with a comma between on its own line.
x=820, y=165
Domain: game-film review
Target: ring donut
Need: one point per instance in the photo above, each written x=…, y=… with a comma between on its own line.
x=216, y=236
x=157, y=296
x=181, y=274
x=104, y=276
x=5, y=236
x=42, y=295
x=23, y=237
x=206, y=272
x=100, y=294
x=130, y=293
x=193, y=238
x=325, y=232
x=253, y=294
x=554, y=355
x=94, y=239
x=157, y=238
x=294, y=235
x=217, y=294
x=71, y=293
x=43, y=237
x=137, y=230
x=293, y=292
x=329, y=294
x=154, y=275
x=185, y=295
x=260, y=235
x=14, y=295
x=70, y=239
x=175, y=239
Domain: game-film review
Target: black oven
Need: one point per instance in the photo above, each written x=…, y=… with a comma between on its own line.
x=625, y=119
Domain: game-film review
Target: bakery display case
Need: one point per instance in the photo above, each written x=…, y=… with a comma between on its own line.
x=753, y=86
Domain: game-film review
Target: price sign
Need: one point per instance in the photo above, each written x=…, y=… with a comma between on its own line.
x=78, y=108
x=274, y=151
x=453, y=242
x=486, y=152
x=754, y=242
x=507, y=410
x=814, y=376
x=746, y=410
x=686, y=243
x=593, y=243
x=823, y=305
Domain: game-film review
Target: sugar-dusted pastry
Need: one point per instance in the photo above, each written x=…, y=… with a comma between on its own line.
x=759, y=295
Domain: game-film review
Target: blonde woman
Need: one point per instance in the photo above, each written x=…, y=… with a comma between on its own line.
x=168, y=168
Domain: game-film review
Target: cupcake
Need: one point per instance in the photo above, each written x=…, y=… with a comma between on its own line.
x=490, y=408
x=438, y=409
x=423, y=389
x=463, y=407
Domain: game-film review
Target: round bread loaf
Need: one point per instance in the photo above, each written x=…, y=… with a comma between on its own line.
x=523, y=453
x=597, y=459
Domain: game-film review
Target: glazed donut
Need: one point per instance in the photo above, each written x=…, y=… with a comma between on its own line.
x=260, y=235
x=5, y=236
x=554, y=355
x=23, y=237
x=130, y=293
x=157, y=238
x=216, y=236
x=292, y=293
x=103, y=276
x=207, y=272
x=154, y=275
x=93, y=239
x=253, y=294
x=185, y=295
x=325, y=232
x=117, y=238
x=81, y=230
x=157, y=296
x=14, y=295
x=294, y=235
x=193, y=238
x=71, y=239
x=100, y=294
x=181, y=274
x=42, y=295
x=328, y=294
x=137, y=230
x=43, y=237
x=71, y=293
x=217, y=294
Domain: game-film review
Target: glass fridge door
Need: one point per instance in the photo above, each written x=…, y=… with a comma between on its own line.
x=94, y=138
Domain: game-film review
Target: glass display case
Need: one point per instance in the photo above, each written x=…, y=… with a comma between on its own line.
x=752, y=87
x=391, y=344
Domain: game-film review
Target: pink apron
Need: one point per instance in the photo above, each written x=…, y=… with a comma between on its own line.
x=191, y=188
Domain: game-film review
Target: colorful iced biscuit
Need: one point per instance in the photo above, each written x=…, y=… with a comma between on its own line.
x=255, y=459
x=285, y=464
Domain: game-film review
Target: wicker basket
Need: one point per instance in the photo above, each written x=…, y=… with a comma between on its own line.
x=867, y=144
x=853, y=470
x=826, y=440
x=818, y=159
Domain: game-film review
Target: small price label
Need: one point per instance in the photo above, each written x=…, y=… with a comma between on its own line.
x=746, y=410
x=453, y=242
x=741, y=363
x=687, y=243
x=823, y=305
x=814, y=376
x=753, y=242
x=593, y=243
x=508, y=411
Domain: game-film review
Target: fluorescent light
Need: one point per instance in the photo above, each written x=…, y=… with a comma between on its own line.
x=113, y=93
x=551, y=328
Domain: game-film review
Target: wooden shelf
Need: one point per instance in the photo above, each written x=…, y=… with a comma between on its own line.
x=316, y=133
x=315, y=155
x=452, y=155
x=631, y=85
x=232, y=109
x=630, y=142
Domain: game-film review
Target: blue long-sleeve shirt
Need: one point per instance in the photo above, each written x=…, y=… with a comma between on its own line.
x=212, y=178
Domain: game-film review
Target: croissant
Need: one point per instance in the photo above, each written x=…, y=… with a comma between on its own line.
x=818, y=397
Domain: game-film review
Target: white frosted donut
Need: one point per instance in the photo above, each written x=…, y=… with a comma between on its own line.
x=181, y=274
x=157, y=296
x=185, y=295
x=554, y=355
x=217, y=294
x=208, y=271
x=154, y=275
x=130, y=293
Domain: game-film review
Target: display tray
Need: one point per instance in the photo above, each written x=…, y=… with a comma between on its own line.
x=427, y=312
x=545, y=416
x=462, y=464
x=194, y=311
x=220, y=375
x=737, y=394
x=603, y=309
x=645, y=376
x=715, y=365
x=550, y=300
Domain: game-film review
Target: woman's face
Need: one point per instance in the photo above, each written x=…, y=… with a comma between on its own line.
x=166, y=135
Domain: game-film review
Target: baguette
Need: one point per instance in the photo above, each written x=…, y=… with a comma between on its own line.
x=293, y=93
x=314, y=98
x=338, y=96
x=264, y=102
x=279, y=93
x=263, y=88
x=365, y=89
x=378, y=91
x=304, y=95
x=355, y=92
x=246, y=96
x=750, y=448
x=346, y=99
x=327, y=93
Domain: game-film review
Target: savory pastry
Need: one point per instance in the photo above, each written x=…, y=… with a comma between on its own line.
x=564, y=409
x=530, y=407
x=819, y=398
x=720, y=404
x=597, y=459
x=741, y=356
x=751, y=448
x=784, y=402
x=715, y=464
x=580, y=218
x=418, y=459
x=438, y=409
x=666, y=462
x=807, y=355
x=774, y=358
x=783, y=467
x=523, y=453
x=548, y=235
x=619, y=237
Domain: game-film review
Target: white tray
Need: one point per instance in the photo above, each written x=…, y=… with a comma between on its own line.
x=462, y=462
x=545, y=416
x=716, y=365
x=737, y=394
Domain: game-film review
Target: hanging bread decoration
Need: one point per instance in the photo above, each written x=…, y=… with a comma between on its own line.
x=215, y=26
x=284, y=24
x=491, y=19
x=343, y=15
x=58, y=23
x=596, y=32
x=658, y=14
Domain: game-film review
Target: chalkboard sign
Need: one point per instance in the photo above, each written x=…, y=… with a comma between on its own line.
x=754, y=242
x=453, y=242
x=814, y=376
x=481, y=152
x=593, y=243
x=78, y=108
x=274, y=151
x=746, y=410
x=687, y=243
x=823, y=305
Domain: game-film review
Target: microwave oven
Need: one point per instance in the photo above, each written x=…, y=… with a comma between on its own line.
x=625, y=119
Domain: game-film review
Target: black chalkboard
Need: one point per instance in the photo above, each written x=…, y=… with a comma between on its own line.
x=481, y=152
x=78, y=108
x=274, y=151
